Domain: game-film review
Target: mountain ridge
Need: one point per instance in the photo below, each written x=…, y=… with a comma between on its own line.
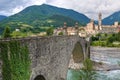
x=44, y=15
x=112, y=18
x=51, y=10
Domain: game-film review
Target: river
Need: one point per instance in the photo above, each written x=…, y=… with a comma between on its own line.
x=106, y=62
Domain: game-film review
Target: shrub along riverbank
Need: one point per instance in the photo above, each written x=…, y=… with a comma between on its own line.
x=106, y=40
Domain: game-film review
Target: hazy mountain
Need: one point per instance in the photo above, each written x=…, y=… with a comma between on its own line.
x=2, y=17
x=112, y=18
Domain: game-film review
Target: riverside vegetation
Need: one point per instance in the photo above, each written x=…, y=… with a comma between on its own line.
x=106, y=40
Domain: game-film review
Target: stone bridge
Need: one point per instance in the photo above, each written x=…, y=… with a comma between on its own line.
x=50, y=56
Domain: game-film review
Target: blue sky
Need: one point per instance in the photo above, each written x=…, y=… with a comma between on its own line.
x=88, y=7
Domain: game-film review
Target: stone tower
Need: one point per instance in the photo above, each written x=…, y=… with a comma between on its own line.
x=76, y=28
x=100, y=21
x=65, y=28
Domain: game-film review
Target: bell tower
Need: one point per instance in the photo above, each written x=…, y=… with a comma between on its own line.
x=65, y=28
x=76, y=28
x=100, y=21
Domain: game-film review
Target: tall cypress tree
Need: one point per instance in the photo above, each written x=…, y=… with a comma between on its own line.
x=6, y=33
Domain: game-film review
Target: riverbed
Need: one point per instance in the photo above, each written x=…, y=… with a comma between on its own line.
x=106, y=63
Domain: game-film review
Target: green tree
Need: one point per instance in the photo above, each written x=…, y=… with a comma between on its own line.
x=49, y=31
x=6, y=33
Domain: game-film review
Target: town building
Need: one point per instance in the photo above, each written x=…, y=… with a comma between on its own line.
x=90, y=29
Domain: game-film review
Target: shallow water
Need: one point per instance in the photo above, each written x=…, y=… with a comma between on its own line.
x=101, y=75
x=108, y=56
x=73, y=75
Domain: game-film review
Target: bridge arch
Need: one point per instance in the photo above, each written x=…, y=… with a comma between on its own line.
x=40, y=77
x=77, y=57
x=77, y=53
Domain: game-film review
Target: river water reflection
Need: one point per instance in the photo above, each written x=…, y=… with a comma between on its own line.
x=110, y=59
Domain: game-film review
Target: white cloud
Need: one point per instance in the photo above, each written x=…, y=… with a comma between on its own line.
x=36, y=2
x=16, y=10
x=91, y=8
x=9, y=7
